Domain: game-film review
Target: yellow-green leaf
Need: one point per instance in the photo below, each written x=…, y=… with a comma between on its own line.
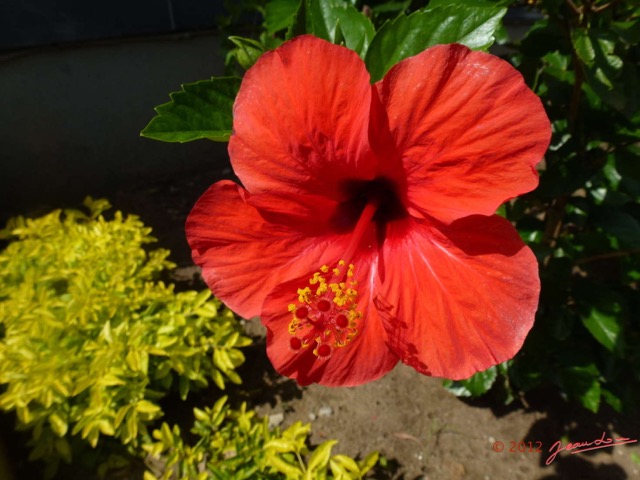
x=58, y=425
x=320, y=456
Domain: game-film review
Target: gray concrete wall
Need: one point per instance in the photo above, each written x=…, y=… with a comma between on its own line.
x=71, y=116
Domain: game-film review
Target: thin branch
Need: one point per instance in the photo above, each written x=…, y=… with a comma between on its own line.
x=607, y=256
x=577, y=10
x=554, y=217
x=604, y=7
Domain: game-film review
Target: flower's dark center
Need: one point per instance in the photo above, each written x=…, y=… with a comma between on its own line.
x=360, y=193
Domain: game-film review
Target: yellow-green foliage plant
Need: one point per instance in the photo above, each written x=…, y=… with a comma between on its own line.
x=236, y=444
x=90, y=340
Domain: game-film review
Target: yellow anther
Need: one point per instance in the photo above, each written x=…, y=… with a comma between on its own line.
x=324, y=268
x=304, y=295
x=317, y=277
x=322, y=289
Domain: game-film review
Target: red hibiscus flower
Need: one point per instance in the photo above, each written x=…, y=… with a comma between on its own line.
x=364, y=232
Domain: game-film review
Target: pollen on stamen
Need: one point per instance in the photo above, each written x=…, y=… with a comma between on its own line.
x=326, y=314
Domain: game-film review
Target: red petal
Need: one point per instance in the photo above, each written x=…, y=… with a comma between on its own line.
x=367, y=357
x=469, y=130
x=312, y=214
x=460, y=299
x=243, y=255
x=301, y=120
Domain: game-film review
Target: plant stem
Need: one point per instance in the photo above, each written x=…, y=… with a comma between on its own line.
x=577, y=10
x=554, y=216
x=606, y=256
x=553, y=220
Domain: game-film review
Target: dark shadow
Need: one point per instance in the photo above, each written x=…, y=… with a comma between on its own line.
x=14, y=444
x=569, y=422
x=478, y=235
x=387, y=472
x=164, y=204
x=494, y=400
x=261, y=384
x=574, y=467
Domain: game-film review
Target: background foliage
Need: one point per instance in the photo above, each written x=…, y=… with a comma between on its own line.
x=583, y=222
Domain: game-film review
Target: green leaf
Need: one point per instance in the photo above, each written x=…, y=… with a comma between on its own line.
x=145, y=406
x=604, y=69
x=369, y=462
x=409, y=35
x=278, y=14
x=613, y=400
x=477, y=385
x=201, y=297
x=625, y=227
x=64, y=449
x=338, y=471
x=605, y=318
x=596, y=49
x=201, y=110
x=320, y=456
x=122, y=412
x=280, y=445
x=58, y=425
x=591, y=398
x=247, y=51
x=149, y=476
x=604, y=327
x=218, y=379
x=347, y=464
x=335, y=21
x=393, y=7
x=629, y=31
x=292, y=472
x=581, y=382
x=299, y=21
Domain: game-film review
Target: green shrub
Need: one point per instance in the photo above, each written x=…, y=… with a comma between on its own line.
x=235, y=444
x=90, y=340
